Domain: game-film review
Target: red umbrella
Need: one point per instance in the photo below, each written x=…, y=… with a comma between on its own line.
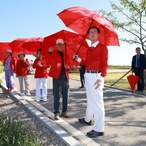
x=33, y=44
x=3, y=47
x=16, y=46
x=72, y=41
x=132, y=79
x=80, y=20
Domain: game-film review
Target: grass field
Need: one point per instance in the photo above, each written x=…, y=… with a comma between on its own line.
x=109, y=79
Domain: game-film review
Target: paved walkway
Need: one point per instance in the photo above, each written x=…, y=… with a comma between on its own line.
x=125, y=123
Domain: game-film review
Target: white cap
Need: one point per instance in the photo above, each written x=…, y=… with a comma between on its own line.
x=9, y=51
x=59, y=41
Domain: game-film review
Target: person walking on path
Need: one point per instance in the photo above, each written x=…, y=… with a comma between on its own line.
x=60, y=73
x=22, y=74
x=41, y=74
x=9, y=69
x=82, y=73
x=139, y=67
x=96, y=66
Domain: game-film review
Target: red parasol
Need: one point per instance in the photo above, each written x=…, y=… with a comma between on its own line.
x=16, y=46
x=132, y=79
x=33, y=44
x=3, y=47
x=80, y=20
x=72, y=41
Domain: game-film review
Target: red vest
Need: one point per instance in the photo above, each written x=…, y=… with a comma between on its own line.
x=56, y=65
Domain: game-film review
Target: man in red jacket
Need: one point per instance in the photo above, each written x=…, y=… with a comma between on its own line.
x=96, y=66
x=59, y=72
x=22, y=74
x=9, y=68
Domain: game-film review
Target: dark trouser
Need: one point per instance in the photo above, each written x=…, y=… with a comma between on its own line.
x=82, y=79
x=140, y=84
x=60, y=88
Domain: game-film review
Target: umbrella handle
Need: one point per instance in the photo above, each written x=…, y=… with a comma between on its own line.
x=84, y=38
x=41, y=45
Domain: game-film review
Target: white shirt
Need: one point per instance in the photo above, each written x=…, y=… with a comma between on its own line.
x=95, y=44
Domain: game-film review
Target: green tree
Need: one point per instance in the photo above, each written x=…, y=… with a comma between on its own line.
x=133, y=12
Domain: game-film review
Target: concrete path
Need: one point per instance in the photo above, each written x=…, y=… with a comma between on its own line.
x=125, y=123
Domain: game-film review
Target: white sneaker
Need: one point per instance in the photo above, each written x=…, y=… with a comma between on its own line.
x=22, y=94
x=44, y=98
x=28, y=94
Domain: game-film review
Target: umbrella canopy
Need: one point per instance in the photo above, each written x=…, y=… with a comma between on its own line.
x=33, y=44
x=3, y=47
x=16, y=46
x=132, y=79
x=72, y=41
x=80, y=20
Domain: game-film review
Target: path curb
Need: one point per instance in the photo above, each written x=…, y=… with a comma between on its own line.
x=58, y=131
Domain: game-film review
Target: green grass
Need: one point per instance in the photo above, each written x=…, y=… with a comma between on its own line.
x=112, y=77
x=109, y=79
x=14, y=132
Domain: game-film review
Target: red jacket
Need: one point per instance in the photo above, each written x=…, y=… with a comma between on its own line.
x=22, y=67
x=12, y=63
x=97, y=59
x=41, y=72
x=56, y=65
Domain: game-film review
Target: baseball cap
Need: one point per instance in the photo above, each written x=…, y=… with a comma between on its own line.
x=59, y=41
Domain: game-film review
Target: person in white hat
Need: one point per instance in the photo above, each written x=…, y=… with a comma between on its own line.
x=22, y=74
x=59, y=72
x=9, y=68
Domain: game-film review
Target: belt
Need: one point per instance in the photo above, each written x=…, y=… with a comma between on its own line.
x=92, y=71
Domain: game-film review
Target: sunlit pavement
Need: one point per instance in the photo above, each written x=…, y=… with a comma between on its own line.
x=125, y=114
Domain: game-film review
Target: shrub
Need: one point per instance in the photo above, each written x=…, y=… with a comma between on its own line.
x=14, y=132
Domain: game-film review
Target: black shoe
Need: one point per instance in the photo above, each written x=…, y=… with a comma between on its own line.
x=82, y=87
x=82, y=120
x=93, y=133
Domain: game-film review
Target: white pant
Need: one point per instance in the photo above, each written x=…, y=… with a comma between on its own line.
x=95, y=105
x=26, y=84
x=44, y=88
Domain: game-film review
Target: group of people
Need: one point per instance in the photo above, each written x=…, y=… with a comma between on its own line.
x=95, y=66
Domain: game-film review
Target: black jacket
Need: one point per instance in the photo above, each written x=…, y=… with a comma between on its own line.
x=142, y=62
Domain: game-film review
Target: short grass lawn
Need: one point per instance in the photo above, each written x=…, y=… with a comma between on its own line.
x=109, y=79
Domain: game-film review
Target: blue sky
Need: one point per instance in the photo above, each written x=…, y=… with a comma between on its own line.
x=32, y=18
